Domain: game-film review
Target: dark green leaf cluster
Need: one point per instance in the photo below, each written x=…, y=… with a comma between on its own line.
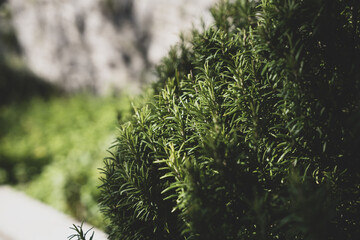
x=257, y=140
x=80, y=234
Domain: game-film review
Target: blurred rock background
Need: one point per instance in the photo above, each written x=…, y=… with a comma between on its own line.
x=100, y=44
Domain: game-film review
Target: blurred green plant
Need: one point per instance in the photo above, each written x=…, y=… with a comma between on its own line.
x=252, y=134
x=51, y=148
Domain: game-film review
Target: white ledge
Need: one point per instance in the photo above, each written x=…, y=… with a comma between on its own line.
x=23, y=218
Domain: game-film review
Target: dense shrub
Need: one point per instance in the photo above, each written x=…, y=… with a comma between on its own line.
x=253, y=136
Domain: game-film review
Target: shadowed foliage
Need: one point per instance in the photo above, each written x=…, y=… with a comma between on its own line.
x=252, y=133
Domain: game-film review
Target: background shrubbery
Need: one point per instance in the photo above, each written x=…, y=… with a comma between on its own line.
x=52, y=149
x=253, y=132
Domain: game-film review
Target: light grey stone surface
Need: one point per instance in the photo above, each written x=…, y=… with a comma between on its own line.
x=23, y=218
x=100, y=43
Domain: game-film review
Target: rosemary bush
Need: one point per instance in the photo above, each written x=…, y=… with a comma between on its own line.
x=252, y=133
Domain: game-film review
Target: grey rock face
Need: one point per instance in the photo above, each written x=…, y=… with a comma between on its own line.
x=99, y=44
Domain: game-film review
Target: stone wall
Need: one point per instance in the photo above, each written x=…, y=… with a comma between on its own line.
x=98, y=44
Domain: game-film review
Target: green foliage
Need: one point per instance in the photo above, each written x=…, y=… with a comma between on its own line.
x=51, y=149
x=255, y=138
x=177, y=63
x=80, y=234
